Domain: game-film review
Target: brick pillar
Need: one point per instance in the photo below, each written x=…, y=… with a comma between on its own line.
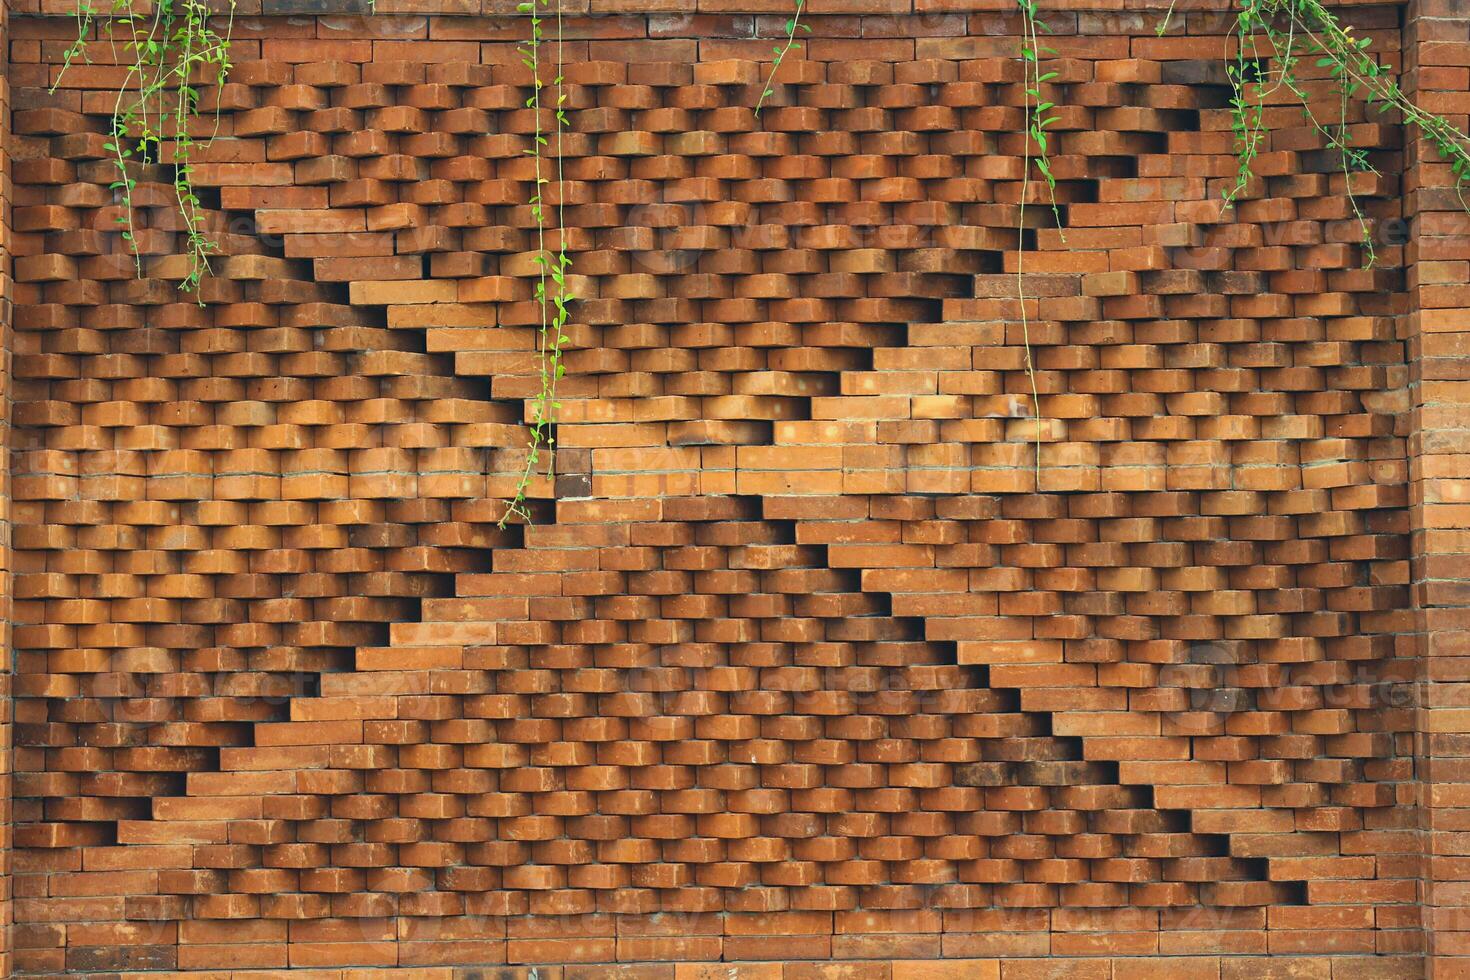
x=7, y=292
x=1437, y=76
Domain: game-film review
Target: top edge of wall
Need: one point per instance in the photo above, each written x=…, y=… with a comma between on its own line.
x=596, y=8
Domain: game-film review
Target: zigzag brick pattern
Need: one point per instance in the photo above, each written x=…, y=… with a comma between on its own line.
x=808, y=653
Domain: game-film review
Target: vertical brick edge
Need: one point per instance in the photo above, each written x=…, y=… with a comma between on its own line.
x=1437, y=51
x=7, y=913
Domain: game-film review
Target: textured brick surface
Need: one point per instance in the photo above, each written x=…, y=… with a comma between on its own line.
x=7, y=297
x=1060, y=968
x=807, y=655
x=1439, y=37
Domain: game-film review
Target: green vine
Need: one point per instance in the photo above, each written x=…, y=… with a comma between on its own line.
x=781, y=51
x=1294, y=30
x=553, y=297
x=170, y=47
x=1038, y=121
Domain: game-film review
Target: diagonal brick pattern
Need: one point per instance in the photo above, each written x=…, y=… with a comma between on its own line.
x=820, y=646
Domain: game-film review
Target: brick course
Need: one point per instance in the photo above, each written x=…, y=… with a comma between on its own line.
x=808, y=655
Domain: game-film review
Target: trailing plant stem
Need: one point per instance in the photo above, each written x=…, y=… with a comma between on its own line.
x=1037, y=121
x=1301, y=28
x=781, y=51
x=552, y=295
x=156, y=101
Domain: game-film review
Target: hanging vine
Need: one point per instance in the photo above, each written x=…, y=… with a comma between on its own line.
x=170, y=48
x=552, y=294
x=1038, y=121
x=781, y=51
x=167, y=50
x=1294, y=30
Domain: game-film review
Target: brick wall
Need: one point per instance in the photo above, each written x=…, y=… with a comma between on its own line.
x=807, y=654
x=1440, y=33
x=7, y=298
